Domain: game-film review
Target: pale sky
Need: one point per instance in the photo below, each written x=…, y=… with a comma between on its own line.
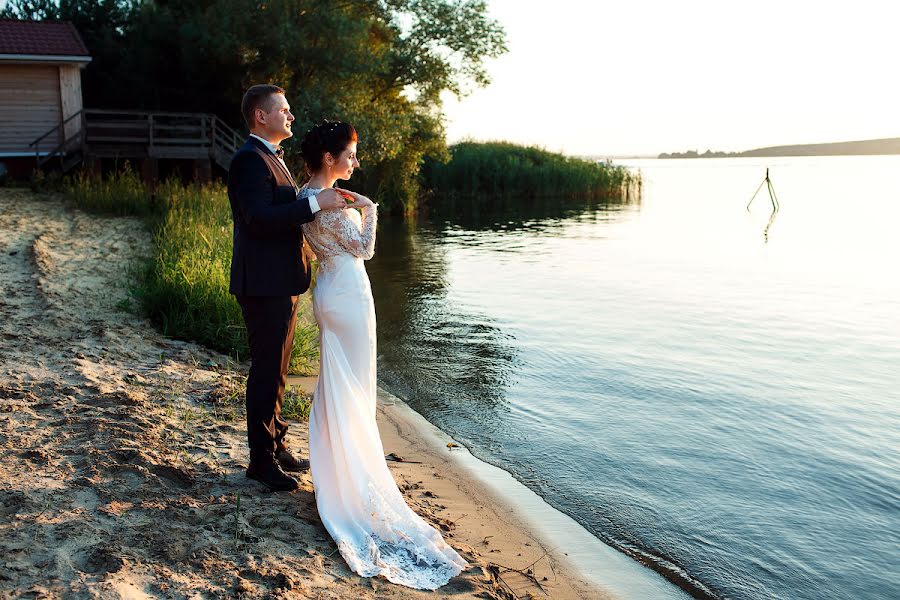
x=645, y=76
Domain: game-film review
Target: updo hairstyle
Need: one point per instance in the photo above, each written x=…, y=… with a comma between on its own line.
x=327, y=136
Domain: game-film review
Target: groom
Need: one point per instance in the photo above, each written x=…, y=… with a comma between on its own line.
x=269, y=271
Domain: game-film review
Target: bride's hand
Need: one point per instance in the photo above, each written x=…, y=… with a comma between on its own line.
x=359, y=201
x=330, y=199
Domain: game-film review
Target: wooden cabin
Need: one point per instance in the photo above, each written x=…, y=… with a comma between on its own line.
x=44, y=125
x=40, y=86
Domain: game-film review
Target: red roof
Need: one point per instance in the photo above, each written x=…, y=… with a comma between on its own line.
x=40, y=38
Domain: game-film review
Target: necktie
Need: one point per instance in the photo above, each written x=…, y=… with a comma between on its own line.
x=279, y=152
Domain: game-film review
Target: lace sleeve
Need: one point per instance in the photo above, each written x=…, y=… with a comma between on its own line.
x=358, y=241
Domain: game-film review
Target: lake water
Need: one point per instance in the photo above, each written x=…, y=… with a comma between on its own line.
x=721, y=406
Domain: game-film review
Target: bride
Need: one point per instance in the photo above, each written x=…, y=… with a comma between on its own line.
x=358, y=500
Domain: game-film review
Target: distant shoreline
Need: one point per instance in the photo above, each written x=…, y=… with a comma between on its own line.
x=855, y=148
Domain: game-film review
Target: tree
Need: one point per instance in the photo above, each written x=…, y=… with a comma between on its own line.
x=379, y=64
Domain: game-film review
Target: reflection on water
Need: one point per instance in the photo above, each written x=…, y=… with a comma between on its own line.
x=449, y=361
x=420, y=336
x=725, y=409
x=505, y=213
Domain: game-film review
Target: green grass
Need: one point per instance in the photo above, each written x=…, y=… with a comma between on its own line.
x=505, y=169
x=183, y=286
x=121, y=193
x=296, y=404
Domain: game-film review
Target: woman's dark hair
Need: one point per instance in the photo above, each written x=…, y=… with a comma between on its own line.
x=327, y=136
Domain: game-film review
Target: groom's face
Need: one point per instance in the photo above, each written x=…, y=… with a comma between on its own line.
x=277, y=120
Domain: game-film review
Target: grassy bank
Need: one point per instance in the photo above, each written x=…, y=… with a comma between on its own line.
x=183, y=286
x=504, y=169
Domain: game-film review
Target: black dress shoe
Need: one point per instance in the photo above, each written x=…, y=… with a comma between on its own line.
x=289, y=463
x=270, y=473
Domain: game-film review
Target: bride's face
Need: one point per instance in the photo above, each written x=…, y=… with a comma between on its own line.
x=343, y=166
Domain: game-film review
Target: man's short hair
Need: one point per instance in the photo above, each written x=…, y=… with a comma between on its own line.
x=258, y=96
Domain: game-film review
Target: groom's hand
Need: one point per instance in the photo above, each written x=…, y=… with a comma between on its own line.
x=330, y=199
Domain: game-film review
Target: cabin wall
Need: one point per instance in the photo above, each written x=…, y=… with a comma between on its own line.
x=30, y=105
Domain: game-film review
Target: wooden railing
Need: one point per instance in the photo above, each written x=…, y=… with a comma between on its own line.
x=225, y=142
x=73, y=143
x=142, y=134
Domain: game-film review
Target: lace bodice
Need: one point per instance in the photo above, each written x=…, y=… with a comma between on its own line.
x=335, y=232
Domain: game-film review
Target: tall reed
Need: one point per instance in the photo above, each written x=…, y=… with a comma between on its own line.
x=505, y=169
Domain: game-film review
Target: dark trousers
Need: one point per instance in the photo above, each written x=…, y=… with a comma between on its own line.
x=270, y=324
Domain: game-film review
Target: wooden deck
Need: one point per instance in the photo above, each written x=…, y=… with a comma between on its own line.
x=123, y=134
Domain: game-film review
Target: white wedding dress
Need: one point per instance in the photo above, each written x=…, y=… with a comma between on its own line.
x=358, y=500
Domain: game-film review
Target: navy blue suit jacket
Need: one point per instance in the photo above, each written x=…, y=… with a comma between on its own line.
x=267, y=259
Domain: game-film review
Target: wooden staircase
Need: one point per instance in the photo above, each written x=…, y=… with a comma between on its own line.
x=125, y=134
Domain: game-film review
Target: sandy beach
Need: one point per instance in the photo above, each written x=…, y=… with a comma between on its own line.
x=122, y=452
